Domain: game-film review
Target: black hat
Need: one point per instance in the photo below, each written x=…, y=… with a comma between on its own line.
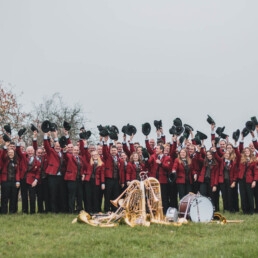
x=33, y=128
x=210, y=120
x=197, y=140
x=172, y=178
x=236, y=135
x=245, y=132
x=254, y=119
x=21, y=132
x=250, y=125
x=179, y=130
x=172, y=130
x=145, y=153
x=100, y=128
x=82, y=135
x=124, y=129
x=220, y=130
x=181, y=139
x=53, y=127
x=158, y=124
x=131, y=130
x=63, y=141
x=8, y=128
x=186, y=134
x=45, y=127
x=217, y=139
x=113, y=136
x=6, y=138
x=87, y=134
x=82, y=128
x=177, y=122
x=202, y=136
x=188, y=128
x=223, y=136
x=66, y=126
x=146, y=129
x=115, y=129
x=104, y=132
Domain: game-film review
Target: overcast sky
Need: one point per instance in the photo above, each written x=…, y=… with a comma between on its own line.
x=136, y=61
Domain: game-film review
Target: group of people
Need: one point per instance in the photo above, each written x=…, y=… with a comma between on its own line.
x=61, y=176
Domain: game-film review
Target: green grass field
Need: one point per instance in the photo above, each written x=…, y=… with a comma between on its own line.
x=55, y=236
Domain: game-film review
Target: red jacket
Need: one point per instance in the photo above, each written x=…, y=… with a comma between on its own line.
x=180, y=172
x=214, y=172
x=148, y=147
x=131, y=171
x=72, y=168
x=53, y=159
x=5, y=161
x=233, y=169
x=85, y=152
x=99, y=174
x=251, y=172
x=109, y=165
x=163, y=168
x=34, y=172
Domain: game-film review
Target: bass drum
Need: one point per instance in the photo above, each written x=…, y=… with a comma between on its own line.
x=201, y=209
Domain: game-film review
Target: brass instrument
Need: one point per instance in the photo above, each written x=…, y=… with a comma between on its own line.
x=139, y=204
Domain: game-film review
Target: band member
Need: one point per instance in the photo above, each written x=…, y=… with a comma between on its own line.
x=94, y=181
x=134, y=168
x=184, y=171
x=73, y=177
x=159, y=165
x=125, y=160
x=10, y=180
x=209, y=176
x=125, y=147
x=55, y=172
x=114, y=174
x=29, y=177
x=248, y=175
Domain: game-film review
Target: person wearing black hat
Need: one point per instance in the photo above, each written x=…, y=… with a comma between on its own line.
x=159, y=165
x=150, y=145
x=30, y=176
x=55, y=171
x=114, y=174
x=222, y=143
x=10, y=179
x=125, y=147
x=42, y=191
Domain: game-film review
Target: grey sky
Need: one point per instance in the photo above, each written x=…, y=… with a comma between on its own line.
x=136, y=61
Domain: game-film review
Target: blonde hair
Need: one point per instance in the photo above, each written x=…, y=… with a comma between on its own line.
x=139, y=158
x=244, y=158
x=100, y=162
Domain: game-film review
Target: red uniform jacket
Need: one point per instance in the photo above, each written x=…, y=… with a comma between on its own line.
x=131, y=171
x=99, y=174
x=233, y=169
x=180, y=172
x=53, y=159
x=251, y=171
x=5, y=161
x=163, y=168
x=148, y=147
x=72, y=168
x=109, y=165
x=85, y=152
x=214, y=172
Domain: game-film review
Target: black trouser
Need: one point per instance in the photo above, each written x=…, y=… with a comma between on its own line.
x=164, y=196
x=92, y=196
x=8, y=193
x=227, y=195
x=256, y=197
x=74, y=193
x=43, y=196
x=247, y=196
x=57, y=191
x=25, y=189
x=184, y=189
x=172, y=195
x=235, y=199
x=112, y=190
x=206, y=190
